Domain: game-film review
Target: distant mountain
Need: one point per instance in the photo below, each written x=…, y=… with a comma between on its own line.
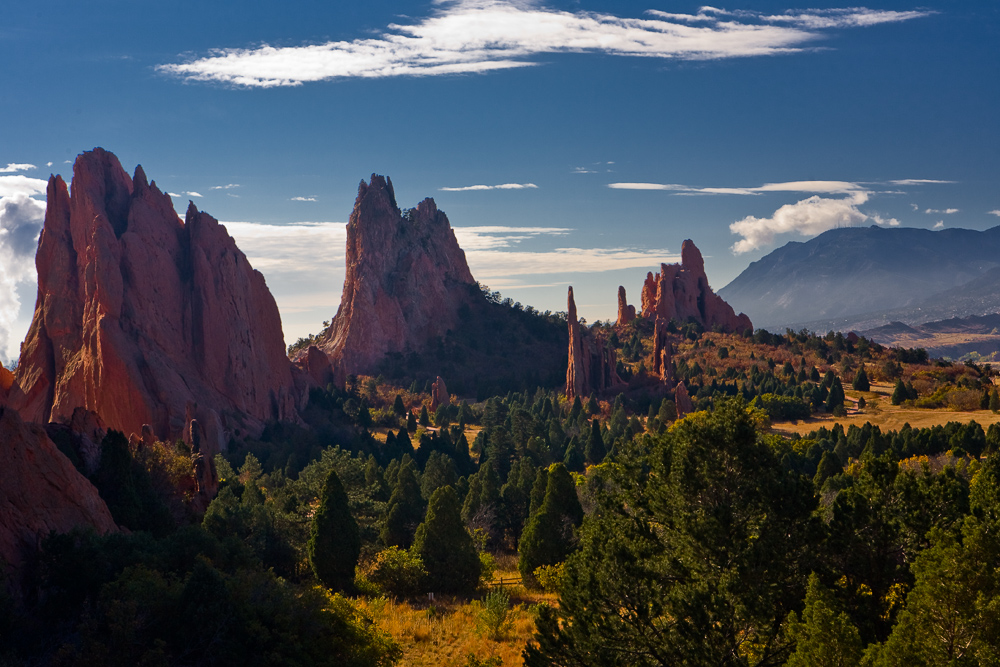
x=856, y=278
x=954, y=337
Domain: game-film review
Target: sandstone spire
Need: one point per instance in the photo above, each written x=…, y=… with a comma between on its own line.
x=626, y=313
x=140, y=314
x=406, y=280
x=592, y=364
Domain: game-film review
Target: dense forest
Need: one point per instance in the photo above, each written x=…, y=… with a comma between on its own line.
x=664, y=539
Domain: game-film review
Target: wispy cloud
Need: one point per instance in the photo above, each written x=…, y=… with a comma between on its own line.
x=14, y=167
x=946, y=211
x=995, y=212
x=494, y=237
x=21, y=185
x=194, y=194
x=918, y=181
x=808, y=217
x=821, y=187
x=939, y=224
x=502, y=186
x=472, y=36
x=20, y=222
x=303, y=199
x=174, y=195
x=225, y=187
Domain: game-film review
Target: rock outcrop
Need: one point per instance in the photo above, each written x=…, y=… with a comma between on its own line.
x=680, y=291
x=40, y=491
x=439, y=394
x=407, y=279
x=140, y=315
x=682, y=399
x=592, y=363
x=626, y=313
x=662, y=352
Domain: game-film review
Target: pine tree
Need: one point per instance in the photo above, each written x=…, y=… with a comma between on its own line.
x=595, y=451
x=899, y=394
x=549, y=536
x=445, y=546
x=994, y=400
x=405, y=509
x=334, y=540
x=425, y=419
x=397, y=406
x=574, y=459
x=836, y=397
x=825, y=636
x=411, y=422
x=827, y=468
x=861, y=382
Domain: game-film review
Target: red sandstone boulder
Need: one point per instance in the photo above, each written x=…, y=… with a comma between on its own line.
x=406, y=280
x=682, y=399
x=439, y=394
x=626, y=313
x=592, y=364
x=139, y=314
x=680, y=291
x=40, y=491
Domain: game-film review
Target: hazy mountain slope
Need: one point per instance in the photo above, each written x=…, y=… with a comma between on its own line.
x=861, y=271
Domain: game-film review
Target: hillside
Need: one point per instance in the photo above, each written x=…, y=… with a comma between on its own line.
x=849, y=278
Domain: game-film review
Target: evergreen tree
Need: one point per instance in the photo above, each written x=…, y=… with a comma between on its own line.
x=334, y=540
x=861, y=382
x=828, y=467
x=549, y=536
x=397, y=406
x=438, y=471
x=577, y=408
x=411, y=421
x=445, y=546
x=825, y=636
x=538, y=491
x=899, y=394
x=595, y=450
x=994, y=403
x=425, y=419
x=405, y=509
x=592, y=407
x=836, y=397
x=574, y=459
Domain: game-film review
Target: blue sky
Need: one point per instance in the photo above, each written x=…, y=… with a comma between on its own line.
x=630, y=126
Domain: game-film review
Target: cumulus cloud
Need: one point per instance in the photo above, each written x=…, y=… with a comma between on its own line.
x=194, y=194
x=946, y=211
x=13, y=167
x=303, y=199
x=21, y=185
x=939, y=224
x=995, y=212
x=21, y=219
x=885, y=222
x=174, y=195
x=808, y=217
x=473, y=36
x=502, y=186
x=821, y=187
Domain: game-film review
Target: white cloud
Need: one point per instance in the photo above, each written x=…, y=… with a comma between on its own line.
x=995, y=212
x=583, y=170
x=822, y=187
x=303, y=199
x=502, y=186
x=947, y=211
x=48, y=164
x=225, y=187
x=808, y=217
x=914, y=207
x=493, y=237
x=472, y=36
x=21, y=185
x=174, y=195
x=20, y=221
x=13, y=167
x=919, y=181
x=194, y=194
x=879, y=220
x=939, y=224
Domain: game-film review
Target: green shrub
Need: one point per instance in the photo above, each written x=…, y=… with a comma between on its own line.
x=397, y=572
x=493, y=615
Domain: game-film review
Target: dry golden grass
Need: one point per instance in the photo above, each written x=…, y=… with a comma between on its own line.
x=882, y=413
x=442, y=633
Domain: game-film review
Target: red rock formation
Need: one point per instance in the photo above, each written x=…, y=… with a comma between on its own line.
x=406, y=280
x=139, y=314
x=6, y=382
x=680, y=291
x=314, y=362
x=592, y=365
x=682, y=400
x=439, y=394
x=662, y=351
x=626, y=313
x=40, y=491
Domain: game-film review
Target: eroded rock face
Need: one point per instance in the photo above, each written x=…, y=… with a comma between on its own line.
x=139, y=314
x=592, y=363
x=439, y=394
x=626, y=313
x=40, y=491
x=406, y=280
x=680, y=291
x=682, y=399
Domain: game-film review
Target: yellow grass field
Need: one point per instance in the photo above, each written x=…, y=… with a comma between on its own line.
x=883, y=414
x=441, y=633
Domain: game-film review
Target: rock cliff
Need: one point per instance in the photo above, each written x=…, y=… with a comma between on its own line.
x=626, y=313
x=147, y=319
x=406, y=280
x=680, y=291
x=40, y=491
x=592, y=363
